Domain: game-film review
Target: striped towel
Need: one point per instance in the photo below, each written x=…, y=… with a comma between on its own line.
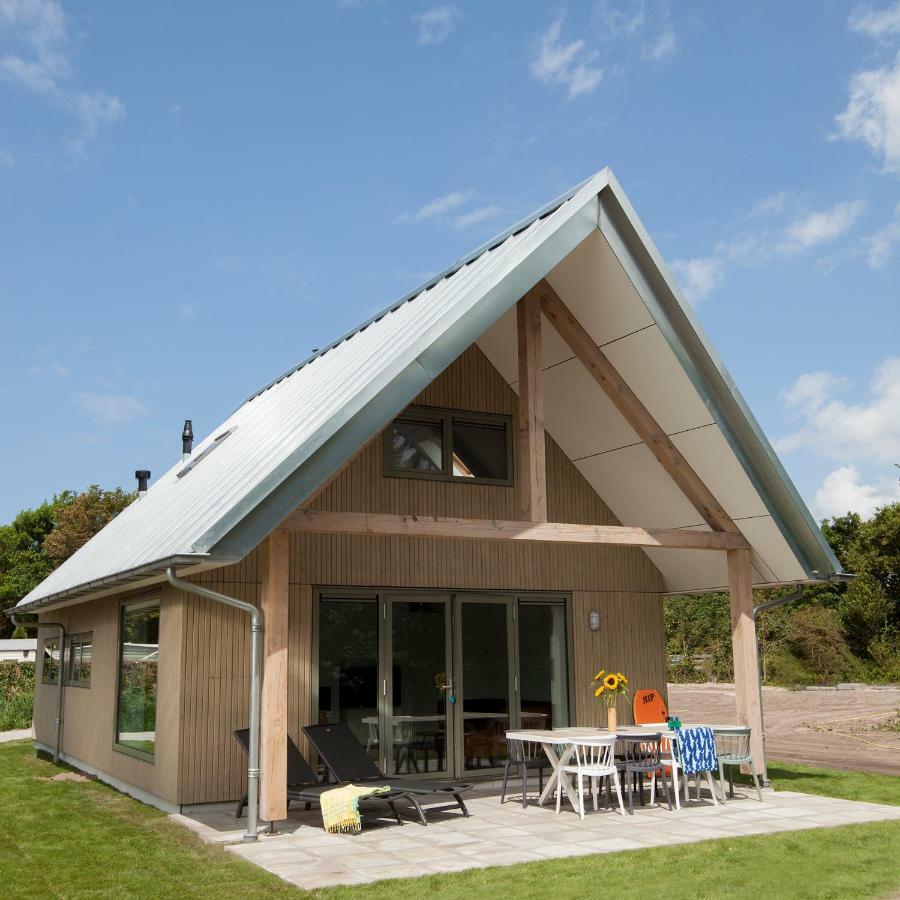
x=340, y=807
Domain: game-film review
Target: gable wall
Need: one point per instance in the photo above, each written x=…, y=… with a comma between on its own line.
x=620, y=582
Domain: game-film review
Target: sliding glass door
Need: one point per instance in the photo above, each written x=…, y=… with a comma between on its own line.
x=430, y=682
x=419, y=686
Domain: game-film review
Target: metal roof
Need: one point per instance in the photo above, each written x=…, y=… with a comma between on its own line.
x=294, y=434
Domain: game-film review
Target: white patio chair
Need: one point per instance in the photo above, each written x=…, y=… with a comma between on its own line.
x=594, y=759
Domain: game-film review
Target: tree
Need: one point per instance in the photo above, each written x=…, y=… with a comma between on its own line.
x=82, y=519
x=38, y=540
x=23, y=562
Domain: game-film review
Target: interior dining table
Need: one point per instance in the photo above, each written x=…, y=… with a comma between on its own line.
x=559, y=746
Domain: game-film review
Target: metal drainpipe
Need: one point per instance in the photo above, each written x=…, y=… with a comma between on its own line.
x=59, y=681
x=769, y=604
x=256, y=633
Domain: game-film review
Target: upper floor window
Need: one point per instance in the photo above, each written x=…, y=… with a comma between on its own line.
x=78, y=664
x=450, y=445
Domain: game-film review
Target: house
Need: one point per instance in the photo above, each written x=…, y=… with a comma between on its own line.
x=18, y=650
x=439, y=525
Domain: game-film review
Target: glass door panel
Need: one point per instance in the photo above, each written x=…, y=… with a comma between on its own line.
x=348, y=667
x=420, y=686
x=484, y=685
x=544, y=676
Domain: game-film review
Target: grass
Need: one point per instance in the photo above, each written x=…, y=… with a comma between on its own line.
x=83, y=839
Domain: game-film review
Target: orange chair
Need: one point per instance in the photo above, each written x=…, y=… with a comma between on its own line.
x=649, y=707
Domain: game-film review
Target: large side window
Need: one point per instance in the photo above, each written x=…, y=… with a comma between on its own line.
x=78, y=664
x=50, y=661
x=450, y=445
x=138, y=678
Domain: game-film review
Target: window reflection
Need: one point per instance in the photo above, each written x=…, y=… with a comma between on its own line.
x=138, y=676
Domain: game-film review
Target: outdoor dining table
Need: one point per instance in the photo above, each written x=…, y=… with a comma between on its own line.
x=559, y=747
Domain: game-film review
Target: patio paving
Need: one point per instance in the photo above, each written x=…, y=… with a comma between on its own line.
x=303, y=854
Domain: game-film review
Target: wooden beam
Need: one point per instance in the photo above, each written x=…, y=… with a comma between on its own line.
x=532, y=465
x=635, y=413
x=743, y=645
x=274, y=561
x=309, y=521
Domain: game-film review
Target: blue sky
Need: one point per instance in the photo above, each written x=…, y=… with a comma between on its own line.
x=196, y=195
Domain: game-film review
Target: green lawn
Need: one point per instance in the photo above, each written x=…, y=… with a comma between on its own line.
x=82, y=839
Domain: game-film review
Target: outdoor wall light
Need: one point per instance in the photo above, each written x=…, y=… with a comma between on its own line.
x=594, y=620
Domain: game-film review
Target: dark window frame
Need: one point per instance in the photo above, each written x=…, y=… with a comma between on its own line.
x=141, y=600
x=45, y=643
x=445, y=418
x=74, y=641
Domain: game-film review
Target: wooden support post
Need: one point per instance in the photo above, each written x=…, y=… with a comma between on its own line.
x=743, y=643
x=274, y=560
x=532, y=465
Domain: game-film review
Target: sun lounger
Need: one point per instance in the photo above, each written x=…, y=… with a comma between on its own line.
x=347, y=760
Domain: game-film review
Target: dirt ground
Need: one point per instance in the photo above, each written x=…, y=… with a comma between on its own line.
x=838, y=729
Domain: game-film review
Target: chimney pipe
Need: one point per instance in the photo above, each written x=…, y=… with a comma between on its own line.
x=143, y=476
x=187, y=440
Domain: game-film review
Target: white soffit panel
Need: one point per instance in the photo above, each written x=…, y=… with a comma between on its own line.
x=500, y=345
x=769, y=543
x=713, y=459
x=593, y=284
x=579, y=415
x=690, y=572
x=637, y=488
x=653, y=372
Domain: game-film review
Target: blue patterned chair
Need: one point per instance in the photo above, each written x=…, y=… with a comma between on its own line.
x=695, y=754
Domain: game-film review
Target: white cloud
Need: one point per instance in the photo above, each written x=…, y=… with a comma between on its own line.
x=663, y=47
x=842, y=492
x=473, y=217
x=187, y=310
x=34, y=54
x=567, y=64
x=836, y=429
x=821, y=226
x=766, y=235
x=880, y=244
x=875, y=23
x=619, y=19
x=438, y=23
x=440, y=206
x=873, y=113
x=6, y=158
x=118, y=408
x=699, y=277
x=773, y=205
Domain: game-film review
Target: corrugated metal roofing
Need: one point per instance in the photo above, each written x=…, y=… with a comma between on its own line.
x=288, y=438
x=279, y=428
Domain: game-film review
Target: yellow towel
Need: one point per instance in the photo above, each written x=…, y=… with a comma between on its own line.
x=340, y=807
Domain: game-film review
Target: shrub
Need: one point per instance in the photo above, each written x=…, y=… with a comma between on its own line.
x=16, y=695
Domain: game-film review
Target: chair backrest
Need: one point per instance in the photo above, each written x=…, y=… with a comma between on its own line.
x=344, y=755
x=299, y=770
x=695, y=749
x=599, y=751
x=649, y=707
x=519, y=751
x=640, y=750
x=733, y=743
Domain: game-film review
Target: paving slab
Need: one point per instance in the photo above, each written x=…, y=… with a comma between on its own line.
x=304, y=855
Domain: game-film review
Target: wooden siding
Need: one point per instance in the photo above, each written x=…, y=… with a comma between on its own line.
x=620, y=582
x=89, y=718
x=204, y=687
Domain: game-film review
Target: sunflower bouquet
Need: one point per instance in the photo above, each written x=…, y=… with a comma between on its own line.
x=610, y=686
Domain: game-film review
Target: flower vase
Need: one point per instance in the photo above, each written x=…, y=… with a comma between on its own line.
x=611, y=719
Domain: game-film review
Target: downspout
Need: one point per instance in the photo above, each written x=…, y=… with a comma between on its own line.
x=59, y=681
x=256, y=633
x=763, y=607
